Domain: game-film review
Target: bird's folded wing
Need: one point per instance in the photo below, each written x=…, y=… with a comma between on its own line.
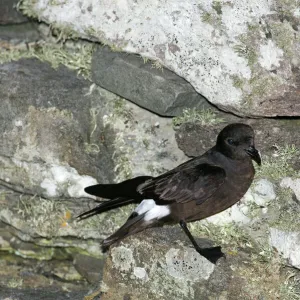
x=197, y=183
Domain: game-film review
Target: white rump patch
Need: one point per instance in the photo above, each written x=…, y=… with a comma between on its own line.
x=152, y=210
x=144, y=206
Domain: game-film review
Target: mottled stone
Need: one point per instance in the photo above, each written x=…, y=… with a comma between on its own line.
x=160, y=263
x=288, y=244
x=243, y=56
x=89, y=267
x=293, y=184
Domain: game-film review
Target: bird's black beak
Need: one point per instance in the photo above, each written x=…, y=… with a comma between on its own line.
x=254, y=154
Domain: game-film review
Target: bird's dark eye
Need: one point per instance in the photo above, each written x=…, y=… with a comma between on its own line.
x=230, y=141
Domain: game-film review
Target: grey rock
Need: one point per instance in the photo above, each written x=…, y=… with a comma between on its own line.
x=263, y=192
x=89, y=267
x=288, y=244
x=246, y=63
x=27, y=32
x=293, y=184
x=37, y=294
x=158, y=90
x=161, y=264
x=59, y=134
x=36, y=279
x=44, y=120
x=9, y=14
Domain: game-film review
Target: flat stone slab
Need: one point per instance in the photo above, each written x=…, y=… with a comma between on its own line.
x=156, y=89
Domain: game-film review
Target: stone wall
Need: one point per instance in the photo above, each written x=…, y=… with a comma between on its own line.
x=74, y=112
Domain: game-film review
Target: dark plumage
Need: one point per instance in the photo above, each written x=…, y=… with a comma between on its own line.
x=196, y=189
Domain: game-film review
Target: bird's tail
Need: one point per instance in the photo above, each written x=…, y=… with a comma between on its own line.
x=105, y=206
x=125, y=189
x=132, y=226
x=120, y=194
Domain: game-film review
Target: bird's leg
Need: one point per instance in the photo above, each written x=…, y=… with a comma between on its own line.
x=212, y=254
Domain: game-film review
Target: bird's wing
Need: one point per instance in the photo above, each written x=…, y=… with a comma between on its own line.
x=194, y=183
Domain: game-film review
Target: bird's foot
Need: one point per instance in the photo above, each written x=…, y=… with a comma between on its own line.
x=212, y=254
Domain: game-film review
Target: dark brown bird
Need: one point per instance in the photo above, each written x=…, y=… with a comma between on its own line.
x=196, y=189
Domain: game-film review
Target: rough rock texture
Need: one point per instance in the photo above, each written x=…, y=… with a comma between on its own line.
x=89, y=267
x=39, y=279
x=45, y=123
x=156, y=89
x=37, y=294
x=9, y=14
x=243, y=56
x=20, y=32
x=60, y=134
x=160, y=264
x=288, y=244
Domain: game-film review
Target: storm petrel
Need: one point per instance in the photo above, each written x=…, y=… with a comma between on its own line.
x=194, y=190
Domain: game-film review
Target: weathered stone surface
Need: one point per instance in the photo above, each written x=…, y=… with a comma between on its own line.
x=34, y=279
x=293, y=184
x=45, y=125
x=288, y=244
x=27, y=32
x=158, y=90
x=89, y=267
x=241, y=56
x=58, y=134
x=63, y=132
x=56, y=143
x=37, y=294
x=160, y=264
x=9, y=14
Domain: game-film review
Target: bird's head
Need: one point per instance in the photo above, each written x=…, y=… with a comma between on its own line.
x=237, y=142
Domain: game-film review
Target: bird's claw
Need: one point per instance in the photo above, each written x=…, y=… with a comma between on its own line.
x=212, y=254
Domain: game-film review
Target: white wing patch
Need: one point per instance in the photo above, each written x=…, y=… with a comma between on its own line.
x=144, y=206
x=152, y=210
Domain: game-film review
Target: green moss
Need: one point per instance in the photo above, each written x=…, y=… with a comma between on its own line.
x=246, y=51
x=15, y=283
x=44, y=216
x=260, y=88
x=290, y=288
x=284, y=211
x=120, y=111
x=283, y=35
x=39, y=253
x=55, y=54
x=238, y=82
x=217, y=6
x=57, y=2
x=63, y=32
x=123, y=167
x=204, y=117
x=230, y=235
x=279, y=165
x=207, y=17
x=26, y=7
x=90, y=31
x=157, y=65
x=146, y=143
